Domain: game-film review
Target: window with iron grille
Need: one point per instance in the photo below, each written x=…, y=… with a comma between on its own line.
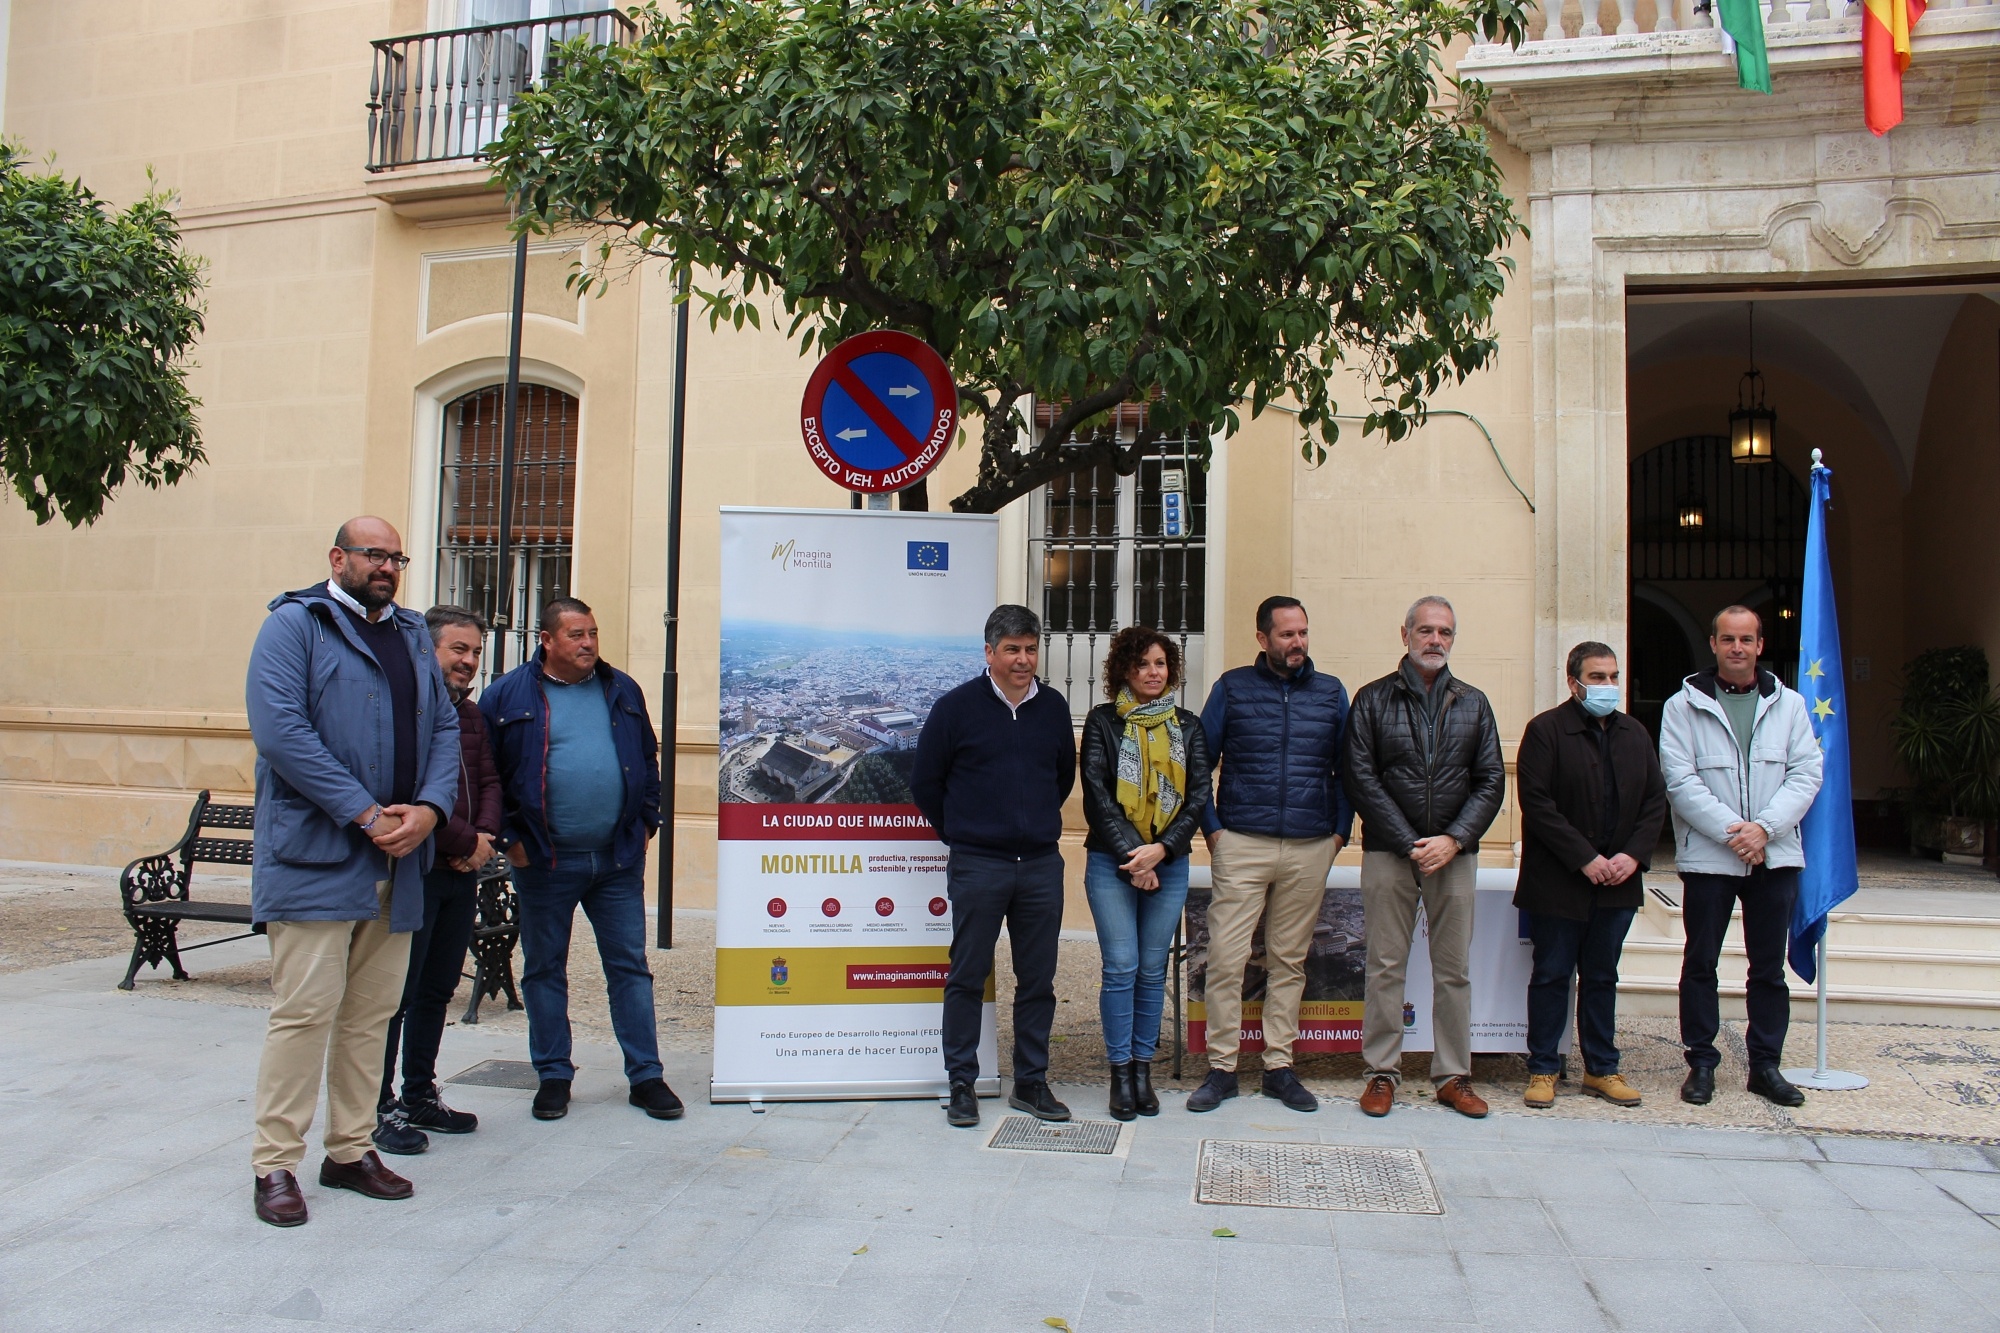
x=1110, y=553
x=542, y=531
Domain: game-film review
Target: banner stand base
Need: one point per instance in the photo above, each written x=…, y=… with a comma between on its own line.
x=1826, y=1080
x=760, y=1093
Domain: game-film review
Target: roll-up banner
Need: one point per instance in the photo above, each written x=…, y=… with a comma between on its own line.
x=840, y=629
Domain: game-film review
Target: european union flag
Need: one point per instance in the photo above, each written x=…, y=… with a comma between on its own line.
x=929, y=555
x=1830, y=875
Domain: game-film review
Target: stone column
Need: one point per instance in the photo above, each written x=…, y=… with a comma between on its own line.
x=1579, y=385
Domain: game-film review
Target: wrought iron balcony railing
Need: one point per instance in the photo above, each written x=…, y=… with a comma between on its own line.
x=439, y=96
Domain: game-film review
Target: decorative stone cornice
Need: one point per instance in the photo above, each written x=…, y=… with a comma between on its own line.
x=1679, y=85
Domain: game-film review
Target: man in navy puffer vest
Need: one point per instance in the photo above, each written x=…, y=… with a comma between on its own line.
x=1278, y=819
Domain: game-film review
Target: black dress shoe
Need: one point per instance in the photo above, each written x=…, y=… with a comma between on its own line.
x=365, y=1175
x=1121, y=1105
x=1144, y=1100
x=656, y=1099
x=1774, y=1087
x=1285, y=1086
x=962, y=1111
x=551, y=1099
x=1698, y=1089
x=1035, y=1098
x=279, y=1201
x=1218, y=1087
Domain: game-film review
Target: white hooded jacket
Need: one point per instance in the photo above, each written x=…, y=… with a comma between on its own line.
x=1711, y=786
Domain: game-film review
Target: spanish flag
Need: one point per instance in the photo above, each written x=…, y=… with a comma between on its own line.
x=1885, y=54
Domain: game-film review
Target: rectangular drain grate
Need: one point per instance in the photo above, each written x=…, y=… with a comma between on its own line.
x=1031, y=1135
x=1314, y=1175
x=500, y=1074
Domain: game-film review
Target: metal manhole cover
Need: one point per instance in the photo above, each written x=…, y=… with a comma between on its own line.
x=500, y=1074
x=1031, y=1135
x=1313, y=1175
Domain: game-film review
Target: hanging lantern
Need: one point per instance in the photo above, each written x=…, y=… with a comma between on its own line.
x=1753, y=426
x=1691, y=513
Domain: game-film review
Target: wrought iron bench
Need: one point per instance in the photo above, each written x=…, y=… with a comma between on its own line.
x=495, y=932
x=154, y=890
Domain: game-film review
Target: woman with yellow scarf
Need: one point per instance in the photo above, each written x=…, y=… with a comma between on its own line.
x=1145, y=784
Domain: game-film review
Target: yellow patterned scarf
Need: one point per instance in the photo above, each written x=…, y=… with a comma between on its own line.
x=1152, y=763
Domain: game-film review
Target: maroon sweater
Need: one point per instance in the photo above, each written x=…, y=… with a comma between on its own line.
x=478, y=809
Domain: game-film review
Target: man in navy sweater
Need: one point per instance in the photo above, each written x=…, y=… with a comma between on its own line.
x=995, y=762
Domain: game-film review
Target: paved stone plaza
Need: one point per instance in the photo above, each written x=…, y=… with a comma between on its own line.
x=125, y=1203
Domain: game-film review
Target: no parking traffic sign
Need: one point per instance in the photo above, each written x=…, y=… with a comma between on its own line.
x=879, y=411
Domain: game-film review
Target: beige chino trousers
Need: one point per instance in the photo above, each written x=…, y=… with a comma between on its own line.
x=1391, y=889
x=334, y=987
x=1283, y=882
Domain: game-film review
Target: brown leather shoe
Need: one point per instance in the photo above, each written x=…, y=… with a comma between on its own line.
x=1612, y=1088
x=365, y=1175
x=279, y=1201
x=1457, y=1093
x=1378, y=1096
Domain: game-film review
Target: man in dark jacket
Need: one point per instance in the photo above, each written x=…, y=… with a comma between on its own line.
x=1277, y=821
x=451, y=900
x=1592, y=802
x=1424, y=772
x=580, y=767
x=357, y=761
x=995, y=762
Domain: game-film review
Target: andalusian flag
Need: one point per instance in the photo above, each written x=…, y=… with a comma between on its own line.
x=1743, y=34
x=1885, y=54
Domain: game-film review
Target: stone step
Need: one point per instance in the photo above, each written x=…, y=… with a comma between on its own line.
x=1894, y=967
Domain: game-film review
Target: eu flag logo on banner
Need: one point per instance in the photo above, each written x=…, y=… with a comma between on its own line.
x=929, y=555
x=1830, y=875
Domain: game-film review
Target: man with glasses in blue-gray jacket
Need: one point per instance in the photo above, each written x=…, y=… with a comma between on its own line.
x=357, y=762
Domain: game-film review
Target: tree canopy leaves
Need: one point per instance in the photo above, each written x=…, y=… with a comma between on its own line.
x=1079, y=203
x=97, y=312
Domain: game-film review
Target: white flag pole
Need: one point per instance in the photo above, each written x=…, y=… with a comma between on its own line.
x=1823, y=1079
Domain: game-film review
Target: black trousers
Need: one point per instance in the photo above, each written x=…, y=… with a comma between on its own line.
x=1027, y=895
x=1767, y=897
x=1588, y=951
x=437, y=960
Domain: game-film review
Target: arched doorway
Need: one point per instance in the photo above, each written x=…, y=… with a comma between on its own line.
x=1707, y=532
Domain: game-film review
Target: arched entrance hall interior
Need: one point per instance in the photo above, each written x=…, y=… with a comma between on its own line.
x=1899, y=387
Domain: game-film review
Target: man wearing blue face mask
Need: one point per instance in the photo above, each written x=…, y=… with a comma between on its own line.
x=1592, y=803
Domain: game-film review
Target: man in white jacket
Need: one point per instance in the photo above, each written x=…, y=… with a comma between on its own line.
x=1742, y=768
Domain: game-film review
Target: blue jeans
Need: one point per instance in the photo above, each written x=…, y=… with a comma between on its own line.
x=615, y=902
x=1135, y=930
x=1588, y=951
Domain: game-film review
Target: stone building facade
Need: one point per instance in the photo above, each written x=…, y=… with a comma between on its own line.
x=358, y=322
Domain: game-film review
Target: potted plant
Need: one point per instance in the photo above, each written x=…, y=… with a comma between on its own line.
x=1947, y=736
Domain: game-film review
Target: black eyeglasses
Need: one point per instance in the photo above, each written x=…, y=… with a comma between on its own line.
x=377, y=556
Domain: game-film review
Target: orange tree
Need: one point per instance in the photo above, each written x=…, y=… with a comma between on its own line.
x=1077, y=202
x=97, y=313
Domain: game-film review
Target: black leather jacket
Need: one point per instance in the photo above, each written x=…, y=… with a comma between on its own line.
x=1409, y=780
x=1110, y=830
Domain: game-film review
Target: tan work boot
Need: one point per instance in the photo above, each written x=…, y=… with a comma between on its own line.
x=1541, y=1093
x=1612, y=1088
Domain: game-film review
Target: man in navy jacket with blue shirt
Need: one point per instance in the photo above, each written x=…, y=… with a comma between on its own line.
x=1278, y=819
x=580, y=773
x=995, y=762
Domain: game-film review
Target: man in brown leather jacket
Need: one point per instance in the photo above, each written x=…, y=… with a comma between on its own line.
x=1423, y=770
